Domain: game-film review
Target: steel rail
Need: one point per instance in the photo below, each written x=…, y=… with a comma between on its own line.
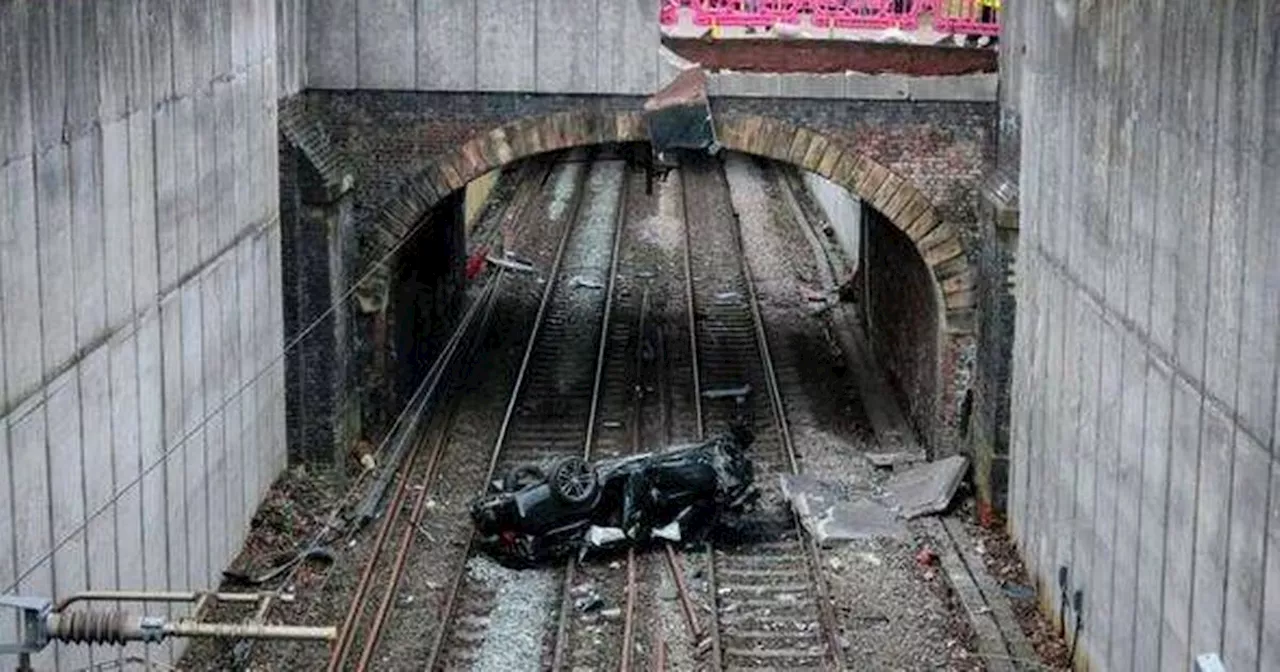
x=483, y=306
x=406, y=538
x=637, y=415
x=716, y=656
x=825, y=609
x=442, y=631
x=620, y=222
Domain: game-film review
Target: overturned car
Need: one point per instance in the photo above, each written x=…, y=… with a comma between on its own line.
x=540, y=512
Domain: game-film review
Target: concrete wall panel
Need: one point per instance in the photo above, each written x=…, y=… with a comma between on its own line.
x=87, y=238
x=566, y=46
x=249, y=396
x=8, y=575
x=506, y=49
x=1180, y=531
x=192, y=450
x=185, y=186
x=117, y=229
x=114, y=23
x=95, y=424
x=229, y=371
x=1247, y=543
x=1106, y=473
x=160, y=34
x=48, y=72
x=223, y=43
x=142, y=210
x=126, y=454
x=225, y=176
x=79, y=24
x=174, y=452
x=166, y=217
x=139, y=37
x=331, y=44
x=207, y=196
x=1213, y=522
x=385, y=35
x=446, y=49
x=57, y=280
x=1128, y=493
x=15, y=71
x=19, y=282
x=29, y=460
x=1269, y=655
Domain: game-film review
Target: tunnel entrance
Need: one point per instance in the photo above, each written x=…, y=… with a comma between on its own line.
x=425, y=294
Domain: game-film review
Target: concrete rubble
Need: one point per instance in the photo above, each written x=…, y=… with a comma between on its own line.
x=926, y=488
x=831, y=516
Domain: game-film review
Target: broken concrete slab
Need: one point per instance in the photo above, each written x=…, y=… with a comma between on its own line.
x=830, y=516
x=926, y=488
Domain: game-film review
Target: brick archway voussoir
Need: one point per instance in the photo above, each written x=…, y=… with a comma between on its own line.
x=938, y=243
x=900, y=201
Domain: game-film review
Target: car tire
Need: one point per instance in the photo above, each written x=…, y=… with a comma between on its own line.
x=522, y=477
x=573, y=480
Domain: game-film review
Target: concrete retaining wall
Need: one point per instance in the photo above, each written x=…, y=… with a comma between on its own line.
x=140, y=418
x=1145, y=398
x=566, y=46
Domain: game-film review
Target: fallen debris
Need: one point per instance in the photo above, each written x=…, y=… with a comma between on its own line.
x=829, y=516
x=511, y=265
x=583, y=281
x=926, y=488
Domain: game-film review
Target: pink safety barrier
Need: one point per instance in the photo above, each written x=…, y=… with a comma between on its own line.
x=969, y=17
x=865, y=13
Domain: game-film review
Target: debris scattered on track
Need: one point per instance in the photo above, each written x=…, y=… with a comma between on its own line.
x=927, y=488
x=829, y=516
x=511, y=265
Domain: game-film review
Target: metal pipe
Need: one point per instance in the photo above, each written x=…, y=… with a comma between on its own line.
x=250, y=630
x=172, y=596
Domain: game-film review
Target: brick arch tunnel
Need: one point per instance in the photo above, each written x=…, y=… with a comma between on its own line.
x=918, y=308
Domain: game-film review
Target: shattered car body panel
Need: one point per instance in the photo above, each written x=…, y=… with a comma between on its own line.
x=541, y=512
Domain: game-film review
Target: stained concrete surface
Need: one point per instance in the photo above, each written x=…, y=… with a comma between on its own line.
x=607, y=47
x=141, y=415
x=1145, y=398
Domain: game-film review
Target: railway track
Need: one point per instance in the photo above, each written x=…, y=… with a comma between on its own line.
x=770, y=603
x=556, y=387
x=428, y=434
x=596, y=370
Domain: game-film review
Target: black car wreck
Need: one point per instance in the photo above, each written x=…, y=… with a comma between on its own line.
x=540, y=512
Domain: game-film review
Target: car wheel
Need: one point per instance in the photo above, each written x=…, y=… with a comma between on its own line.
x=573, y=480
x=522, y=477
